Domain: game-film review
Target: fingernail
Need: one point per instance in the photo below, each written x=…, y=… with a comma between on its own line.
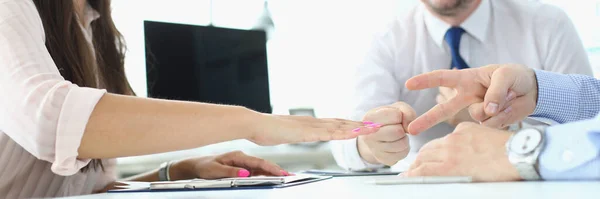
x=507, y=110
x=403, y=174
x=374, y=125
x=511, y=96
x=243, y=173
x=285, y=173
x=491, y=108
x=367, y=123
x=356, y=130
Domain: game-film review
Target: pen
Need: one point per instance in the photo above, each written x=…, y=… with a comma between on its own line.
x=422, y=180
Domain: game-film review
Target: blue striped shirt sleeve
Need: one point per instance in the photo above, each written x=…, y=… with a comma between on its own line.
x=572, y=149
x=566, y=98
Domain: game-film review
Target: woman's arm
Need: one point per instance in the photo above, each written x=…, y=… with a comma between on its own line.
x=137, y=126
x=127, y=126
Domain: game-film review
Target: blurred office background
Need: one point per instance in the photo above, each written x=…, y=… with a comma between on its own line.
x=312, y=48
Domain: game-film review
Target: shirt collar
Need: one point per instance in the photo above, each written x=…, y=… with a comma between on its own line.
x=476, y=24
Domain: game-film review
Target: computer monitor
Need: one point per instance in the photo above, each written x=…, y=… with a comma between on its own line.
x=207, y=64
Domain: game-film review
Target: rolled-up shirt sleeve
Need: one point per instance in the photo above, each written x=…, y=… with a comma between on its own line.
x=39, y=109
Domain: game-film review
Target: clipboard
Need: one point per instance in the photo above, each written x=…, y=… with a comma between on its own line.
x=258, y=182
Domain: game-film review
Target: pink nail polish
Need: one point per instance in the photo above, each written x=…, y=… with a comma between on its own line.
x=356, y=130
x=368, y=123
x=243, y=173
x=285, y=173
x=376, y=125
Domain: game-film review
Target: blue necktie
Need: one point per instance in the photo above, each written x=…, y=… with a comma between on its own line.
x=452, y=37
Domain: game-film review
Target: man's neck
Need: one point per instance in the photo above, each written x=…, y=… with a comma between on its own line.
x=460, y=17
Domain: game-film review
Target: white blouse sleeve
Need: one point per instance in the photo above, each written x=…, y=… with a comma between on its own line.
x=39, y=109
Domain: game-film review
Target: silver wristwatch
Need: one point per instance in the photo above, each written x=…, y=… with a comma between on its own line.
x=523, y=149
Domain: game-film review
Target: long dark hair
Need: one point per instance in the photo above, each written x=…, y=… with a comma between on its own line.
x=72, y=54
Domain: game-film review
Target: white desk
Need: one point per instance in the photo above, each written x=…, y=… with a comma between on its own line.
x=355, y=188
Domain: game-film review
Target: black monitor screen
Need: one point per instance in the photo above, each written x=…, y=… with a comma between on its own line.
x=207, y=64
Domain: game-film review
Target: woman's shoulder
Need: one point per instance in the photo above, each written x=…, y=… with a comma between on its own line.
x=20, y=17
x=15, y=7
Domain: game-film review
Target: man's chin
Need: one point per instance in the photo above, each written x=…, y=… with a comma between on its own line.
x=447, y=7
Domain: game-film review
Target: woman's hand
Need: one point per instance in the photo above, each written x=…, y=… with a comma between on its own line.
x=278, y=129
x=228, y=165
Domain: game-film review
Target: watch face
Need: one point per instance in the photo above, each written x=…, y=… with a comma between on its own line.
x=525, y=141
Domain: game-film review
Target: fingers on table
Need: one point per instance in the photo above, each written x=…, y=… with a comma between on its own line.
x=257, y=164
x=427, y=169
x=428, y=156
x=432, y=145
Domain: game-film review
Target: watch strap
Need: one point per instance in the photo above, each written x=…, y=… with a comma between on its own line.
x=527, y=172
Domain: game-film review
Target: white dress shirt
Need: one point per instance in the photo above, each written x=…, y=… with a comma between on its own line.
x=537, y=35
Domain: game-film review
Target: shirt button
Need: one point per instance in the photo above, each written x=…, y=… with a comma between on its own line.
x=567, y=156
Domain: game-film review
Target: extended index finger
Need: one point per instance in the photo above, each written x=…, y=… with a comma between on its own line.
x=445, y=78
x=437, y=114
